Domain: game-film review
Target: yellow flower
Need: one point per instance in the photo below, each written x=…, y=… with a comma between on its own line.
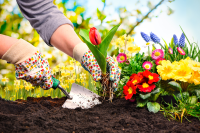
x=16, y=82
x=21, y=86
x=195, y=78
x=71, y=68
x=183, y=72
x=78, y=80
x=166, y=70
x=4, y=80
x=28, y=87
x=133, y=48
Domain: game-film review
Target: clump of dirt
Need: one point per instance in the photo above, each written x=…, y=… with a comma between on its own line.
x=46, y=115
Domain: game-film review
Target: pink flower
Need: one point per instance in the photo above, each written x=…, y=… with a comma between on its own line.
x=181, y=51
x=121, y=57
x=170, y=50
x=158, y=61
x=147, y=65
x=94, y=36
x=156, y=54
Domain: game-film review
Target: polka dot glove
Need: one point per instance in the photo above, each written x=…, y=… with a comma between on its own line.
x=35, y=70
x=90, y=64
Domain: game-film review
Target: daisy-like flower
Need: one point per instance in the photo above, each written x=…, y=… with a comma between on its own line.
x=170, y=50
x=147, y=65
x=4, y=80
x=121, y=57
x=157, y=53
x=145, y=87
x=181, y=51
x=159, y=60
x=133, y=48
x=129, y=89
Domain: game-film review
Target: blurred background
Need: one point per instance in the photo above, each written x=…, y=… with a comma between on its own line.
x=162, y=17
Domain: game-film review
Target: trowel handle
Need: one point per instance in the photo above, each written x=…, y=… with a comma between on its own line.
x=55, y=83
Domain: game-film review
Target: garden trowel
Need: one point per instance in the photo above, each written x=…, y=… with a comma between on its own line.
x=79, y=97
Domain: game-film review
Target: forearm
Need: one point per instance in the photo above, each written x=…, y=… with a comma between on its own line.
x=5, y=43
x=65, y=39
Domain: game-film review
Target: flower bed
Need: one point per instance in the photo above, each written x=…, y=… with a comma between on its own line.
x=47, y=115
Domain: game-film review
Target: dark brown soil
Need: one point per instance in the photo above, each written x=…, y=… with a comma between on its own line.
x=47, y=115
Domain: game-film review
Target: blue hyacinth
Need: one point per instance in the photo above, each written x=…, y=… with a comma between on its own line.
x=154, y=38
x=145, y=37
x=175, y=39
x=182, y=40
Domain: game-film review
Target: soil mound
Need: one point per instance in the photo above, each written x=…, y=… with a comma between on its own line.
x=46, y=115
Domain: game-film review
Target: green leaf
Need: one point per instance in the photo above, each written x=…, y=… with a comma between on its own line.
x=101, y=60
x=106, y=41
x=165, y=44
x=145, y=96
x=153, y=107
x=175, y=84
x=157, y=90
x=184, y=94
x=192, y=100
x=141, y=102
x=172, y=43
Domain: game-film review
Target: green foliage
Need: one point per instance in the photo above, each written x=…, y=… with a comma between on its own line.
x=99, y=52
x=153, y=107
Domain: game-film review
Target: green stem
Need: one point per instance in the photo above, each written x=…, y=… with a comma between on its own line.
x=161, y=46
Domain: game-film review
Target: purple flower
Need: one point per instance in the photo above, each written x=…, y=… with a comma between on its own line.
x=182, y=40
x=175, y=39
x=145, y=37
x=154, y=38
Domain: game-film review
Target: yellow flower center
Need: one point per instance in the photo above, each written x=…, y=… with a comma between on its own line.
x=122, y=58
x=145, y=85
x=150, y=77
x=134, y=81
x=121, y=50
x=130, y=90
x=130, y=48
x=147, y=66
x=160, y=62
x=148, y=43
x=157, y=53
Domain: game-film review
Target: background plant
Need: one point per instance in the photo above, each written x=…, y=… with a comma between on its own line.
x=13, y=24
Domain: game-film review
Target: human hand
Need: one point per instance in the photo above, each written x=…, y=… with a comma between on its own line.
x=35, y=70
x=90, y=64
x=29, y=64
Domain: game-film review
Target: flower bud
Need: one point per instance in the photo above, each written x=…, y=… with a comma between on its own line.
x=94, y=36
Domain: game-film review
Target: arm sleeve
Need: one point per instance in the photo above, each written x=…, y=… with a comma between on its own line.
x=43, y=16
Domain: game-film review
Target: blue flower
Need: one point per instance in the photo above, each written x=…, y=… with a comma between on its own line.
x=145, y=37
x=182, y=40
x=154, y=38
x=175, y=39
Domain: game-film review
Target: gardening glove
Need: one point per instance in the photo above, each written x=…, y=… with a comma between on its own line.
x=29, y=64
x=82, y=54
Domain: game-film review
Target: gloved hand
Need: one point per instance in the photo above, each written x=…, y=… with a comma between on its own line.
x=82, y=54
x=29, y=64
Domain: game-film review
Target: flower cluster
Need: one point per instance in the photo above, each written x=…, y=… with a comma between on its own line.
x=143, y=81
x=185, y=70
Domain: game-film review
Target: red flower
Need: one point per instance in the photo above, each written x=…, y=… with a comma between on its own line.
x=129, y=90
x=153, y=77
x=94, y=36
x=146, y=87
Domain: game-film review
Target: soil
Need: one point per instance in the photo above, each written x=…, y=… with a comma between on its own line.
x=46, y=115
